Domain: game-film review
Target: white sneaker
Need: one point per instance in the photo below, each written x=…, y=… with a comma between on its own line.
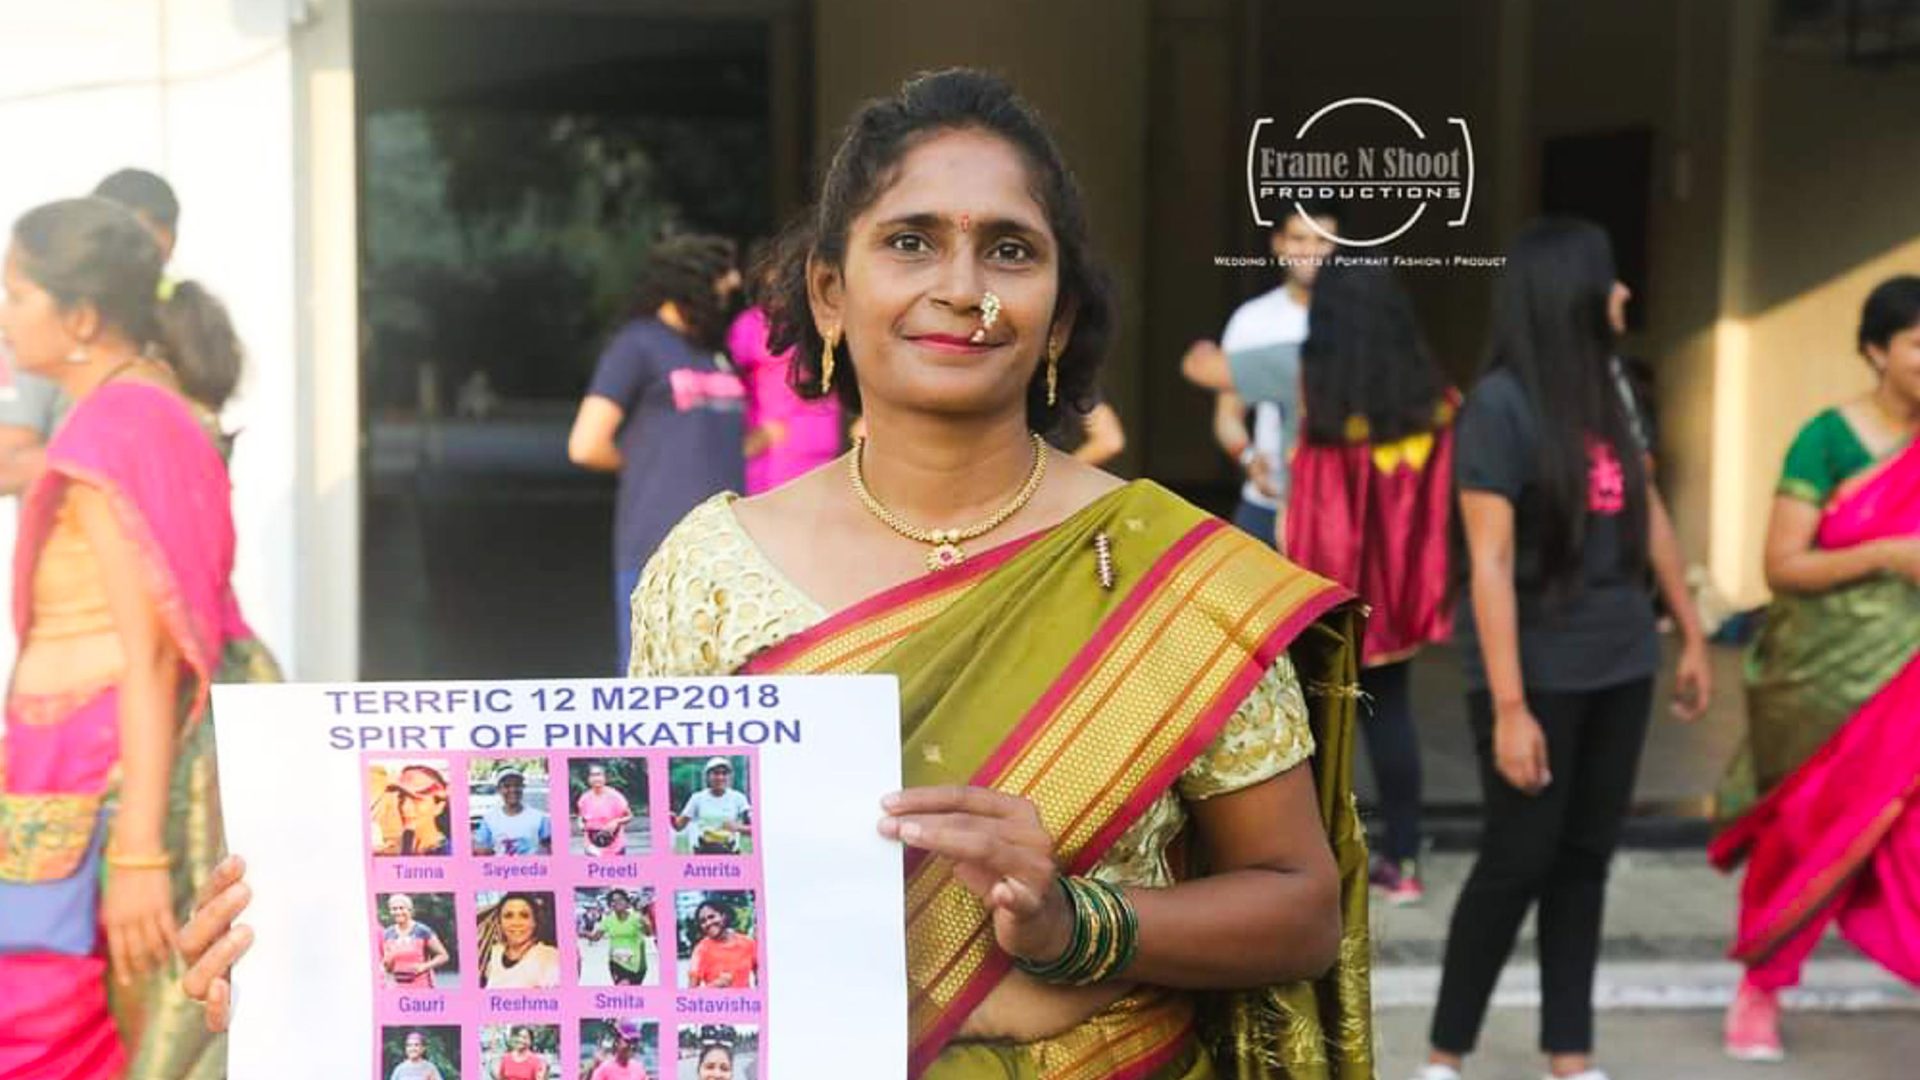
x=1437, y=1072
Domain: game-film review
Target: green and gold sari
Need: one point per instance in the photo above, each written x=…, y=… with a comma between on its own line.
x=1021, y=671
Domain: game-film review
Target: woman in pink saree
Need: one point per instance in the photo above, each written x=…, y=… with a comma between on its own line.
x=109, y=817
x=1824, y=801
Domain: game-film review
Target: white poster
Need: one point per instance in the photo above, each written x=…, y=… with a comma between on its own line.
x=566, y=880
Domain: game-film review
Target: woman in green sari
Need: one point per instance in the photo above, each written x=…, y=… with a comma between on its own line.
x=1130, y=841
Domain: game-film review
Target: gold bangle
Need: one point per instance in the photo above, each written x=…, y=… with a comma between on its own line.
x=117, y=861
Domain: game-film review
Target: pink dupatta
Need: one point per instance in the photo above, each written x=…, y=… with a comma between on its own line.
x=1839, y=838
x=143, y=448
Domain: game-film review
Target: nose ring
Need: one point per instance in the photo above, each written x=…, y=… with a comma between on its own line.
x=989, y=314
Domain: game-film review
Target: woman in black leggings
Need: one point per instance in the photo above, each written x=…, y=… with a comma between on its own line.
x=1560, y=525
x=1368, y=508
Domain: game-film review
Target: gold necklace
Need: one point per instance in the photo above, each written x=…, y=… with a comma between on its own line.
x=946, y=552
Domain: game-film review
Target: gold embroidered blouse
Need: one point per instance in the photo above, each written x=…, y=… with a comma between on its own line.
x=709, y=600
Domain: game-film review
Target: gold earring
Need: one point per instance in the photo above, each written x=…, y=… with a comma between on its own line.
x=79, y=355
x=1053, y=373
x=832, y=340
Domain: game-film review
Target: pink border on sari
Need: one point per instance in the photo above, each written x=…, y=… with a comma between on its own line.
x=1202, y=733
x=769, y=661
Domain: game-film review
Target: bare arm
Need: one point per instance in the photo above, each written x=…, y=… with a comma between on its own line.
x=1230, y=424
x=763, y=438
x=590, y=444
x=1520, y=748
x=1795, y=565
x=1693, y=676
x=138, y=910
x=22, y=458
x=436, y=954
x=1105, y=437
x=1269, y=910
x=1205, y=365
x=1488, y=521
x=1669, y=566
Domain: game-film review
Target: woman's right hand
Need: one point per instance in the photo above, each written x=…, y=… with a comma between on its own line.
x=1520, y=749
x=211, y=943
x=1901, y=555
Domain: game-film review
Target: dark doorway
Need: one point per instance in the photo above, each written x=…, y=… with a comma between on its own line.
x=1607, y=178
x=516, y=163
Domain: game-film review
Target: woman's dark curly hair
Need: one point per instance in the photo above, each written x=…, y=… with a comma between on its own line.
x=868, y=160
x=725, y=911
x=1365, y=359
x=682, y=270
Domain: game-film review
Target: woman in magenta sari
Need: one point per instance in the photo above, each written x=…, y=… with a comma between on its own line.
x=125, y=615
x=1823, y=798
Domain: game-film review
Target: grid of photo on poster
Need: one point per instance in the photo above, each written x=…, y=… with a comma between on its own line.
x=568, y=916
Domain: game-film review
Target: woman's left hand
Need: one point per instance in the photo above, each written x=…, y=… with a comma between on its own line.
x=1692, y=682
x=138, y=913
x=1002, y=854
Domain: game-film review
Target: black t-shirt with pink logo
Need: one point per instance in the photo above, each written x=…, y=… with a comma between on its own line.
x=1602, y=635
x=681, y=438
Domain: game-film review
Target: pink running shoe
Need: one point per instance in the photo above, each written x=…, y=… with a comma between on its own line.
x=1406, y=888
x=1753, y=1025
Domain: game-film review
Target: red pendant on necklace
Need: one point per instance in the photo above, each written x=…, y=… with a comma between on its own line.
x=945, y=556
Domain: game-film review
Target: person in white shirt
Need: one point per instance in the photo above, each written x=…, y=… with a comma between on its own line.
x=1273, y=319
x=720, y=814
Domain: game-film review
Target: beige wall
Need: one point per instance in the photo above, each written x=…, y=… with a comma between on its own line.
x=1082, y=63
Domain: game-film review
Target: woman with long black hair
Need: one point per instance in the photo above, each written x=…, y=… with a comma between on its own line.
x=1560, y=526
x=1371, y=489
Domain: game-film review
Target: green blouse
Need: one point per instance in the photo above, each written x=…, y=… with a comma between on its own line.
x=1823, y=456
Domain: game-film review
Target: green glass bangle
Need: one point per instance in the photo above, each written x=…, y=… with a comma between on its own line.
x=1104, y=938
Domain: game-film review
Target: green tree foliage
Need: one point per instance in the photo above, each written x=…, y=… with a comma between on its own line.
x=688, y=775
x=497, y=1039
x=510, y=242
x=533, y=768
x=628, y=775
